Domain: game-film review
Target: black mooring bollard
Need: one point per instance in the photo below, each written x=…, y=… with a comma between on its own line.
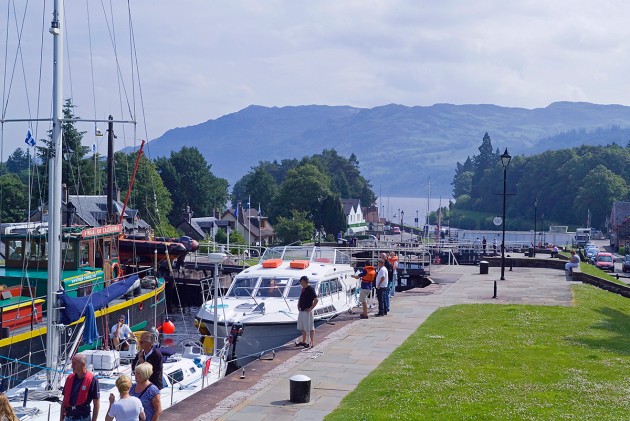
x=511, y=264
x=300, y=389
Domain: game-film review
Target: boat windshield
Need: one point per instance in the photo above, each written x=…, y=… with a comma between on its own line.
x=272, y=287
x=296, y=288
x=243, y=287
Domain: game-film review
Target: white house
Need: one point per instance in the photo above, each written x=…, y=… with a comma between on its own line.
x=354, y=216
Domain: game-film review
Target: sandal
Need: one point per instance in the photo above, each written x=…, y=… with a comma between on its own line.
x=300, y=344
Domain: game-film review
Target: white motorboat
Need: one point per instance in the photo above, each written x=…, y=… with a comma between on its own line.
x=263, y=299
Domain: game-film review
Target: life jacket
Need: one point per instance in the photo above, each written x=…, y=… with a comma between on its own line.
x=392, y=259
x=83, y=390
x=370, y=274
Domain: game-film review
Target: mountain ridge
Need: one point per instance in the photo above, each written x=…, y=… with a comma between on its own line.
x=398, y=147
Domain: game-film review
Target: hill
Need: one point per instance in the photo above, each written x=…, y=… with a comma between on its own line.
x=398, y=147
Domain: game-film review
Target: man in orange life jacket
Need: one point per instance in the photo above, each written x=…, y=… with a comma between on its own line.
x=81, y=389
x=367, y=275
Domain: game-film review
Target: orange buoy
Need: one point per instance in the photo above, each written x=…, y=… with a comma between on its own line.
x=168, y=327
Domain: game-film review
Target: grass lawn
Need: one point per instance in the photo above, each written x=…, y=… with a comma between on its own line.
x=506, y=362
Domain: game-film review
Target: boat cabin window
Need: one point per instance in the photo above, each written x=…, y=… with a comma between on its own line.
x=272, y=287
x=324, y=289
x=176, y=376
x=296, y=288
x=16, y=249
x=243, y=287
x=84, y=253
x=335, y=285
x=68, y=251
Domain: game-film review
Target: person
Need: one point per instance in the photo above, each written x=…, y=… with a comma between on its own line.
x=148, y=353
x=120, y=334
x=306, y=319
x=6, y=412
x=127, y=408
x=484, y=244
x=381, y=287
x=494, y=246
x=80, y=390
x=274, y=291
x=367, y=275
x=393, y=260
x=147, y=392
x=390, y=275
x=339, y=237
x=554, y=251
x=574, y=262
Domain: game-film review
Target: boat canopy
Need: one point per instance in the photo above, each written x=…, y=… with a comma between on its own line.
x=73, y=308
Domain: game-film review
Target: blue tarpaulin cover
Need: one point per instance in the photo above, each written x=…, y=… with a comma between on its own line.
x=90, y=333
x=73, y=308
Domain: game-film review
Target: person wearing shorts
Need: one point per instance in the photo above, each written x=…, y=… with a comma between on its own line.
x=366, y=275
x=306, y=319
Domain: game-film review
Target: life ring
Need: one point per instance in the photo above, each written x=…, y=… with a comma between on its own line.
x=117, y=271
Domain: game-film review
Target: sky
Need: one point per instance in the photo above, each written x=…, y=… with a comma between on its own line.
x=202, y=59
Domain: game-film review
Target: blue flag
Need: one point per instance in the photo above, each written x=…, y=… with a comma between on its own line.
x=30, y=140
x=93, y=147
x=236, y=212
x=248, y=204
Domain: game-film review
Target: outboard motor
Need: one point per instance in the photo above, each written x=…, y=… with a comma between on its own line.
x=235, y=331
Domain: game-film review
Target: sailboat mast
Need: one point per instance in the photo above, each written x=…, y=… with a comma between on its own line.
x=54, y=194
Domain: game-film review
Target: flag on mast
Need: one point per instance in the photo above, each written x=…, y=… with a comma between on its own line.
x=248, y=202
x=30, y=140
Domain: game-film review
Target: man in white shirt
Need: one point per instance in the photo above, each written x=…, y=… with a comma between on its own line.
x=120, y=334
x=382, y=287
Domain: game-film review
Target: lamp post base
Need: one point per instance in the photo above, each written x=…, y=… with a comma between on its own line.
x=495, y=289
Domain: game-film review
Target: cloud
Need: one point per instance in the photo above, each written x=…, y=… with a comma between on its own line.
x=201, y=60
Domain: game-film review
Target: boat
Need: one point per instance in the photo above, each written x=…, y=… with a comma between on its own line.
x=259, y=310
x=144, y=250
x=90, y=264
x=62, y=283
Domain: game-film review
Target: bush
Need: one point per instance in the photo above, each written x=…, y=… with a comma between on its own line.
x=622, y=250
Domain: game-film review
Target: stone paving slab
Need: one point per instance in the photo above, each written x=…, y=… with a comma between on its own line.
x=348, y=353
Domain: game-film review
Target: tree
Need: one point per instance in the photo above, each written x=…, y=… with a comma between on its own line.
x=149, y=195
x=14, y=198
x=258, y=186
x=77, y=172
x=188, y=177
x=330, y=214
x=600, y=189
x=297, y=227
x=300, y=191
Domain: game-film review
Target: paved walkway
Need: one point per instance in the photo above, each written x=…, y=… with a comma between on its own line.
x=343, y=358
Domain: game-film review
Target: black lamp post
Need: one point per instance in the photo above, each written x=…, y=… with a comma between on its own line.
x=505, y=161
x=402, y=227
x=535, y=216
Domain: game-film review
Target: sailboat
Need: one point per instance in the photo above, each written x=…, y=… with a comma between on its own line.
x=76, y=266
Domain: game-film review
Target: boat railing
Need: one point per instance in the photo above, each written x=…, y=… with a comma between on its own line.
x=314, y=254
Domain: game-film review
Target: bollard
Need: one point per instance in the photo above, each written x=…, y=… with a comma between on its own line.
x=483, y=267
x=300, y=389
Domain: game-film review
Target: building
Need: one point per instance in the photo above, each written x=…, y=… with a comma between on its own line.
x=92, y=211
x=254, y=227
x=354, y=216
x=619, y=225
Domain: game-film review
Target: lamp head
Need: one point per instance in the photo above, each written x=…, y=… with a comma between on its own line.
x=505, y=159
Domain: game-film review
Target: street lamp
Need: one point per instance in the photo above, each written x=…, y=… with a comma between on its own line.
x=402, y=228
x=535, y=215
x=505, y=161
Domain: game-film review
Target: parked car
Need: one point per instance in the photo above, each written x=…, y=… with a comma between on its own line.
x=605, y=261
x=590, y=254
x=396, y=230
x=625, y=263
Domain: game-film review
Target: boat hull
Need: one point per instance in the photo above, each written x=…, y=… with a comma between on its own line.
x=259, y=339
x=143, y=252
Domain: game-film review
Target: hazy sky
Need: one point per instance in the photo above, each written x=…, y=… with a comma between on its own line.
x=204, y=59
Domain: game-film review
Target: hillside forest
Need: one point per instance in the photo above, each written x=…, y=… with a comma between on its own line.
x=563, y=187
